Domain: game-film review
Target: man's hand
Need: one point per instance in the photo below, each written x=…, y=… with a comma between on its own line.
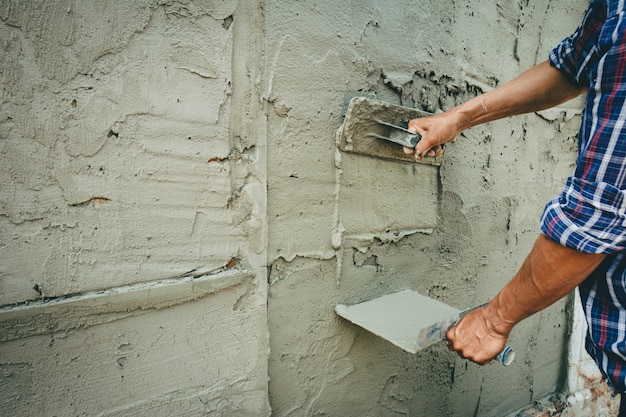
x=435, y=131
x=540, y=87
x=475, y=338
x=548, y=273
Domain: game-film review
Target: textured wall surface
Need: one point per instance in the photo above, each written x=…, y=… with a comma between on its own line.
x=171, y=193
x=337, y=228
x=132, y=211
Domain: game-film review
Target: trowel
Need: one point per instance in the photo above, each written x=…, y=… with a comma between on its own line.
x=379, y=129
x=399, y=134
x=409, y=320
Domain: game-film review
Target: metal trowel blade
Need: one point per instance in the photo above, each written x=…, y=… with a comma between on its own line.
x=408, y=141
x=409, y=320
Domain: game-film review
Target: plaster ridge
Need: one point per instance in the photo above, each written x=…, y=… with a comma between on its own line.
x=338, y=229
x=271, y=69
x=80, y=311
x=317, y=256
x=193, y=276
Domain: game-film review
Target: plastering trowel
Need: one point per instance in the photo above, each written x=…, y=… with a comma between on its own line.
x=375, y=128
x=409, y=320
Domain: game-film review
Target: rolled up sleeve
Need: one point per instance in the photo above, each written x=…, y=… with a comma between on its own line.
x=589, y=214
x=588, y=217
x=572, y=55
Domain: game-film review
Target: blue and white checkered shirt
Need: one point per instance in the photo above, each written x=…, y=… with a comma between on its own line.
x=590, y=214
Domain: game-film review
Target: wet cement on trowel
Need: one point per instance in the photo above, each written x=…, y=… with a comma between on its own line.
x=401, y=318
x=363, y=123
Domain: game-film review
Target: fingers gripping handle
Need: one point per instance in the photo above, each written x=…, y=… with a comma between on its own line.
x=507, y=356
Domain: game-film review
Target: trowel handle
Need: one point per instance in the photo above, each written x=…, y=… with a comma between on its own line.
x=507, y=356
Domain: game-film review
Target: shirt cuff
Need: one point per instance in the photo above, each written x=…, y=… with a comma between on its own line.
x=561, y=58
x=588, y=217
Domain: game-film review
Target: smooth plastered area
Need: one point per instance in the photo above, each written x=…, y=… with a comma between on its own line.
x=178, y=219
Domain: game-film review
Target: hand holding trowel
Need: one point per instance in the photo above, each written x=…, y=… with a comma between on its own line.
x=406, y=319
x=375, y=128
x=409, y=320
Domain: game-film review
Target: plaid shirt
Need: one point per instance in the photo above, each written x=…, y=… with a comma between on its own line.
x=590, y=214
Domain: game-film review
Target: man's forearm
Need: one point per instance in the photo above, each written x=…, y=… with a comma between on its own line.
x=539, y=88
x=549, y=272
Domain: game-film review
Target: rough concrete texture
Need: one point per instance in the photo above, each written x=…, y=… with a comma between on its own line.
x=132, y=211
x=338, y=231
x=172, y=193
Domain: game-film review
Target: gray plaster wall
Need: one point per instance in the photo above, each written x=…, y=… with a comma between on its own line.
x=343, y=227
x=132, y=209
x=177, y=223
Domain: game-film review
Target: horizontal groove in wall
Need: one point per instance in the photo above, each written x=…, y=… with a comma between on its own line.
x=96, y=307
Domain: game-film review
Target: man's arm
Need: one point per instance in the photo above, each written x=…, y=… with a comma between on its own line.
x=540, y=87
x=549, y=272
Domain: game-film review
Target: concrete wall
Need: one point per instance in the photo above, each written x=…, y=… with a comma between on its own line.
x=172, y=194
x=132, y=216
x=342, y=228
